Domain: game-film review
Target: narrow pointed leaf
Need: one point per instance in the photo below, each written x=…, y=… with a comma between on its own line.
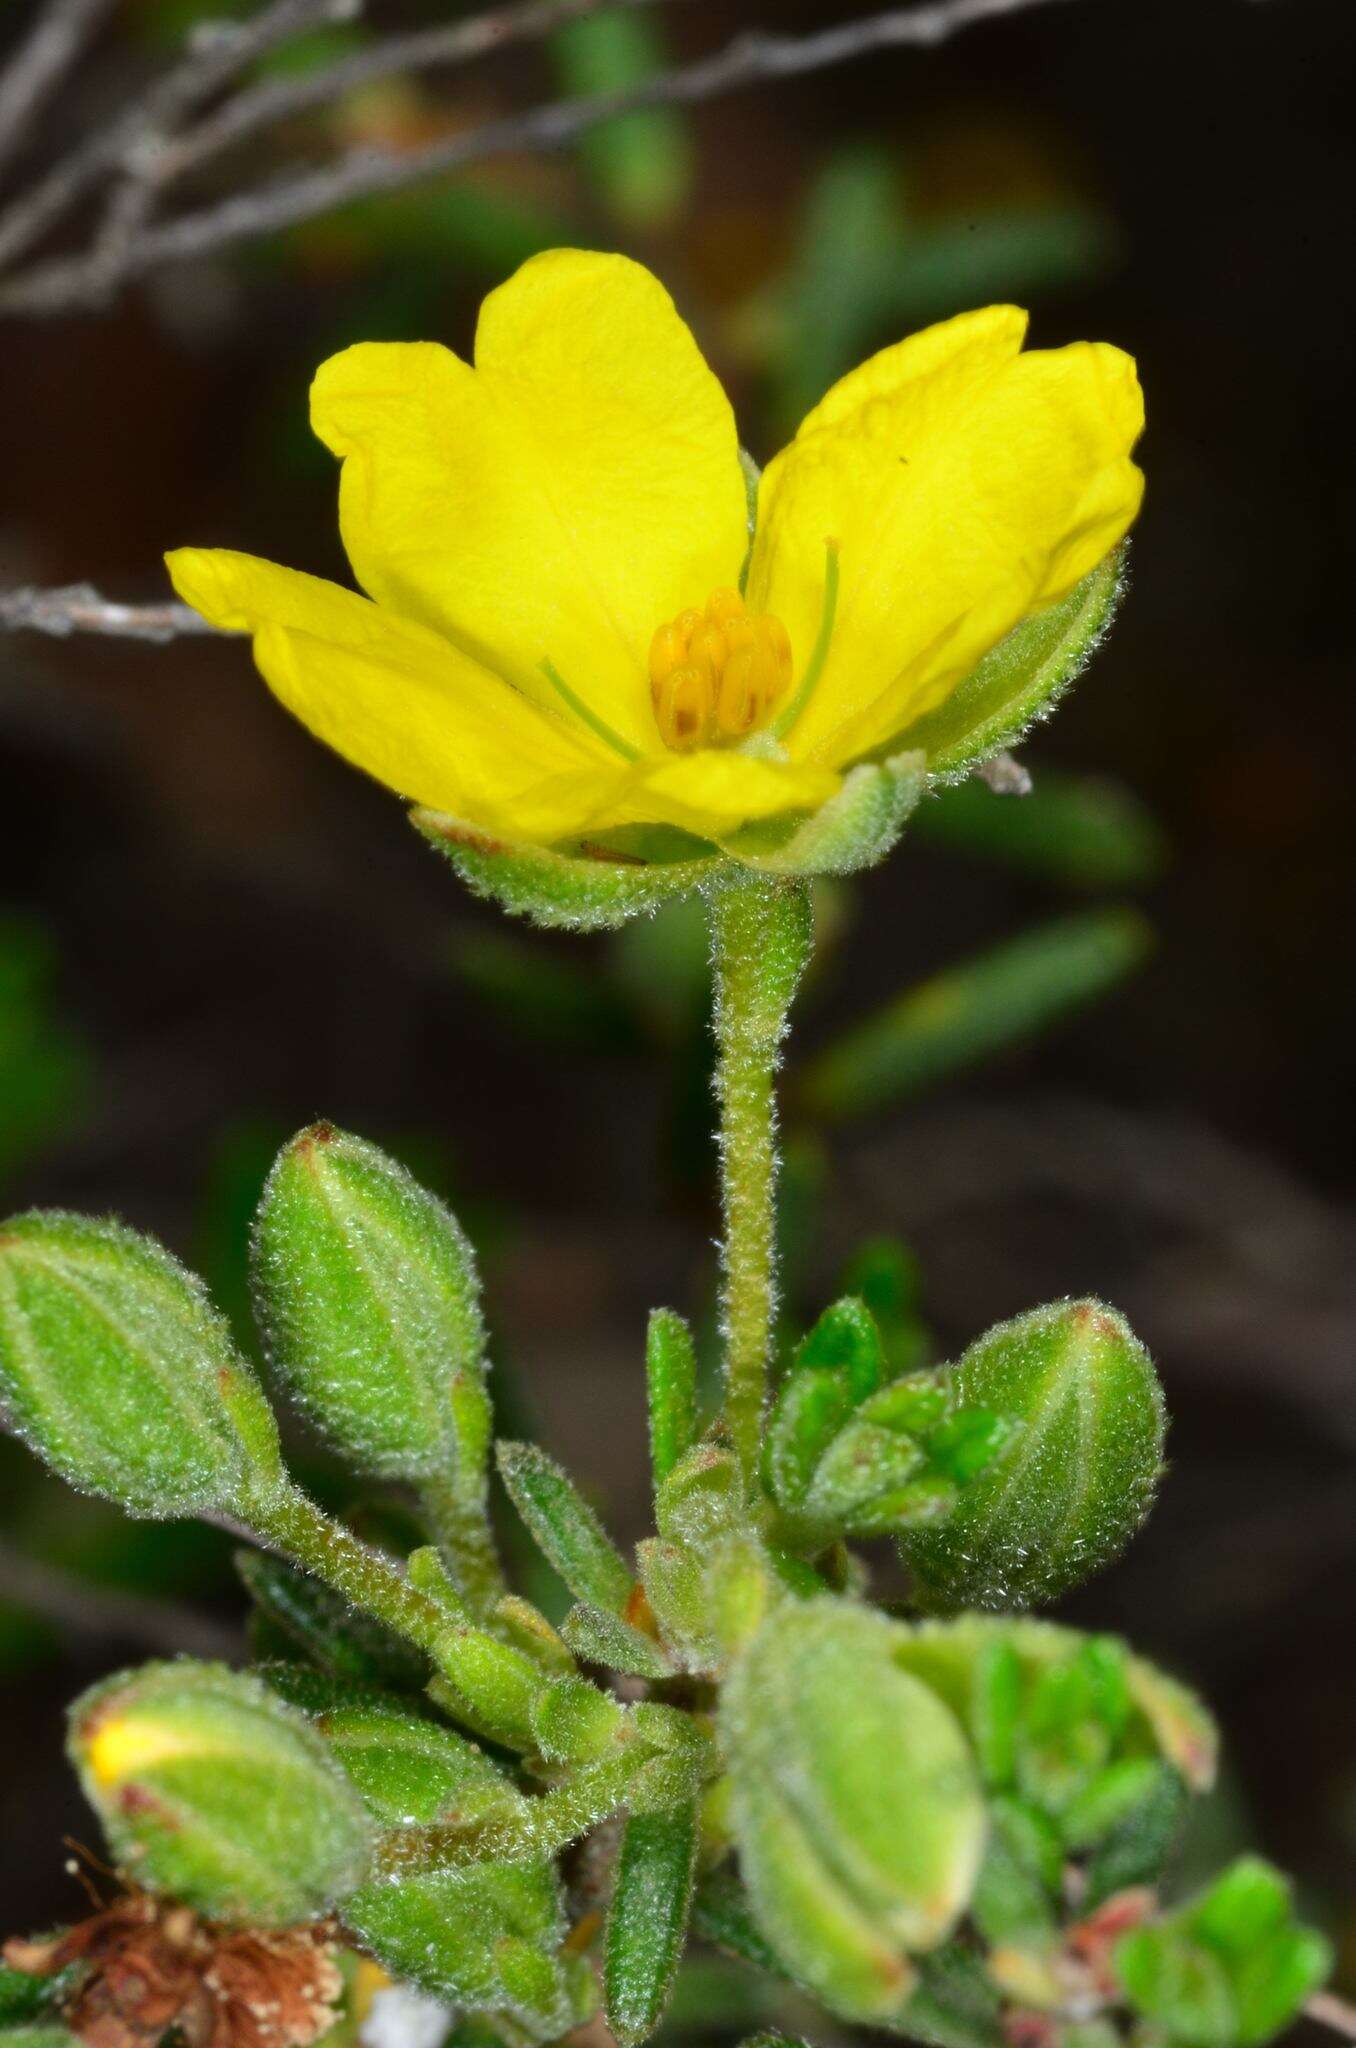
x=647, y=1920
x=602, y=1638
x=671, y=1373
x=566, y=1530
x=975, y=1010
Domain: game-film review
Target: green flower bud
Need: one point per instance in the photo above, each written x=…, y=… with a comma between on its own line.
x=118, y=1372
x=1069, y=1487
x=211, y=1789
x=857, y=1806
x=367, y=1296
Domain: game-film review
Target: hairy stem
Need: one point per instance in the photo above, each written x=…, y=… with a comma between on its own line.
x=289, y=1522
x=458, y=1514
x=761, y=937
x=547, y=1824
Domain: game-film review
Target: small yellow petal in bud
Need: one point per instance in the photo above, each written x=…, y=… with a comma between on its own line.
x=123, y=1747
x=715, y=675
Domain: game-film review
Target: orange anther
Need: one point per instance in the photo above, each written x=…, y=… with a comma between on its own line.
x=668, y=651
x=724, y=604
x=709, y=649
x=716, y=674
x=682, y=708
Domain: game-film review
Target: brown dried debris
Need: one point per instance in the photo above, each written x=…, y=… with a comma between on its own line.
x=146, y=1965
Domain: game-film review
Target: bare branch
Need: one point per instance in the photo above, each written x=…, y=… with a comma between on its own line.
x=1332, y=2012
x=112, y=1613
x=461, y=42
x=130, y=141
x=752, y=58
x=78, y=608
x=55, y=41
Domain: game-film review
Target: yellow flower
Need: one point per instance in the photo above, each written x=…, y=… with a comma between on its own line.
x=566, y=629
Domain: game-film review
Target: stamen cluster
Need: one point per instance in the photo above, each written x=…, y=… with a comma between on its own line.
x=715, y=674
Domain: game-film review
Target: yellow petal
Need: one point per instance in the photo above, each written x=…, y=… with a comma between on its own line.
x=714, y=792
x=559, y=501
x=967, y=486
x=393, y=698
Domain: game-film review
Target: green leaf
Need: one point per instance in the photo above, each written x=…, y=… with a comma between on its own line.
x=1014, y=1895
x=1081, y=831
x=493, y=1686
x=23, y=1997
x=647, y=1920
x=1020, y=680
x=671, y=1376
x=567, y=1532
x=1136, y=1847
x=1179, y=1985
x=600, y=1637
x=574, y=1722
x=45, y=1069
x=845, y=1340
x=702, y=1498
x=809, y=1412
x=641, y=161
x=886, y=1275
x=551, y=1000
x=1072, y=1484
x=408, y=1769
x=484, y=1935
x=118, y=1372
x=988, y=1670
x=215, y=1791
x=971, y=1012
x=722, y=1914
x=675, y=1586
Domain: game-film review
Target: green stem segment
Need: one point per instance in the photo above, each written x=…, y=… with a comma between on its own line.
x=457, y=1508
x=761, y=937
x=285, y=1519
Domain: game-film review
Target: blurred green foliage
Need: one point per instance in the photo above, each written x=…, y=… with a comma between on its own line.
x=46, y=1072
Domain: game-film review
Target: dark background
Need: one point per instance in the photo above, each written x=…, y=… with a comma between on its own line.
x=230, y=933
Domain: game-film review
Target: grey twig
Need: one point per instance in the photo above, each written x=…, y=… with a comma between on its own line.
x=79, y=608
x=112, y=1613
x=41, y=62
x=461, y=42
x=1332, y=2012
x=755, y=57
x=131, y=142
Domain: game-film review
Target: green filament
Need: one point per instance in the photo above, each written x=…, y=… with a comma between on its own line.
x=588, y=715
x=815, y=669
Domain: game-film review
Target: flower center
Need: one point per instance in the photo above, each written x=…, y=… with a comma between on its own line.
x=716, y=674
